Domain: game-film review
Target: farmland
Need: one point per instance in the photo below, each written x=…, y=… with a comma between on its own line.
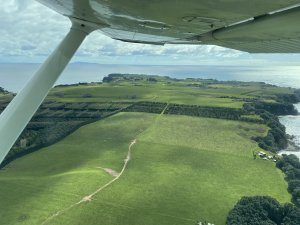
x=182, y=167
x=177, y=174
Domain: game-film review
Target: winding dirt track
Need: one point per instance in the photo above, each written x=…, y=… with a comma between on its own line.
x=89, y=197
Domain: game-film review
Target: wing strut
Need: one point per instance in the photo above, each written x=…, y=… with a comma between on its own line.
x=18, y=113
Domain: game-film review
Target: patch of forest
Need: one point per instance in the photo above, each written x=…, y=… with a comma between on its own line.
x=290, y=165
x=257, y=210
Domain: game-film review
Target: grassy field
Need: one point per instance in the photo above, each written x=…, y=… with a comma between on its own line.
x=147, y=92
x=130, y=88
x=182, y=169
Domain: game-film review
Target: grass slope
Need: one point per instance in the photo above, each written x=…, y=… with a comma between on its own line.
x=182, y=169
x=46, y=181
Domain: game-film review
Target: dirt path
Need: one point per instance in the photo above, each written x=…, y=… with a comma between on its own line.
x=89, y=197
x=163, y=112
x=109, y=171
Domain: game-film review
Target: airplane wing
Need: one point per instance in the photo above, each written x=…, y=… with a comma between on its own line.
x=255, y=26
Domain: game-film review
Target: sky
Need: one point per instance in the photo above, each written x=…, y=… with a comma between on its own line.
x=30, y=32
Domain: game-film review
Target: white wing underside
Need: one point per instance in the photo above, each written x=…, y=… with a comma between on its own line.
x=269, y=26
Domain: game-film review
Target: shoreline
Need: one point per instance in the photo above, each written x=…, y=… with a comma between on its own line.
x=290, y=150
x=293, y=147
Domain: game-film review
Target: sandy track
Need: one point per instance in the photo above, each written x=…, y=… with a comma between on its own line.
x=109, y=171
x=89, y=197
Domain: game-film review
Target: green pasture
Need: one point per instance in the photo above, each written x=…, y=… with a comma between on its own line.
x=155, y=92
x=182, y=169
x=191, y=92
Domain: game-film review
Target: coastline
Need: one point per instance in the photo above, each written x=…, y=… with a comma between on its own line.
x=290, y=123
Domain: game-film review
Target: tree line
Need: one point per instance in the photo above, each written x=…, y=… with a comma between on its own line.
x=276, y=138
x=2, y=90
x=205, y=111
x=54, y=121
x=290, y=165
x=148, y=107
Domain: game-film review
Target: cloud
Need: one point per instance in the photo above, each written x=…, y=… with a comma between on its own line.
x=29, y=29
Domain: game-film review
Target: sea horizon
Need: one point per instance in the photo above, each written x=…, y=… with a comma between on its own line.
x=13, y=76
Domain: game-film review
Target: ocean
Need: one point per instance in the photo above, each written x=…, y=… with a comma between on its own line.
x=292, y=125
x=14, y=76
